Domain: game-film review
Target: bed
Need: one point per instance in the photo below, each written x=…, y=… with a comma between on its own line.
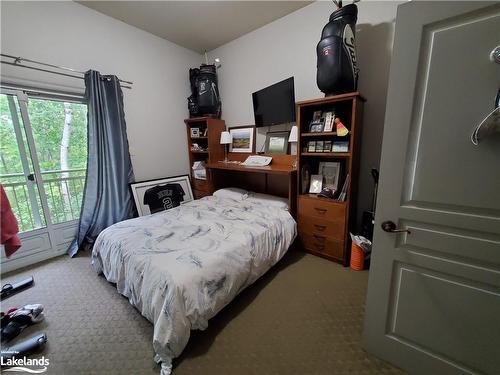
x=180, y=267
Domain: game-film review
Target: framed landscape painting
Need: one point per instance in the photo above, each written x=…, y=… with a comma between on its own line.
x=243, y=139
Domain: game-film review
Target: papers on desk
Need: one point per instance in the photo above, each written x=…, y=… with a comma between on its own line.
x=257, y=161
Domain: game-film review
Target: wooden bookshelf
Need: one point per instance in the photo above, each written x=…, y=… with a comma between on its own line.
x=323, y=223
x=212, y=150
x=319, y=134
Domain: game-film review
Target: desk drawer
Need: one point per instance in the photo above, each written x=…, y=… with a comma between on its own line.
x=323, y=244
x=321, y=208
x=314, y=225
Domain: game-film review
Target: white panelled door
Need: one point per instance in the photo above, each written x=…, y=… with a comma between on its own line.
x=433, y=304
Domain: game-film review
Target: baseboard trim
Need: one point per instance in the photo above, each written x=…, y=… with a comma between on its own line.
x=15, y=264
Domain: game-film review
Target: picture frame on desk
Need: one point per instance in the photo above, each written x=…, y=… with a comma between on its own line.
x=277, y=142
x=243, y=139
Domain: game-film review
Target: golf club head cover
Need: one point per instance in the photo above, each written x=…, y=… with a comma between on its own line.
x=20, y=319
x=337, y=69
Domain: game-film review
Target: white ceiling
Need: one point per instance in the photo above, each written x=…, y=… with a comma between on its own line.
x=197, y=25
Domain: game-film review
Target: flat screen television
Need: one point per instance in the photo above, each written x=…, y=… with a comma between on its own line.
x=274, y=104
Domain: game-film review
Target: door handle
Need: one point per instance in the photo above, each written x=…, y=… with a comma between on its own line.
x=390, y=227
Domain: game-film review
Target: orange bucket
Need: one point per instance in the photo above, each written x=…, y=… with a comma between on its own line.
x=357, y=258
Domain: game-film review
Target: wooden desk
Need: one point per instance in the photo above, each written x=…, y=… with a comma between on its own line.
x=269, y=169
x=279, y=178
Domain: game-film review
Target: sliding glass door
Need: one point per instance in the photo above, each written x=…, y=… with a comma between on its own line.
x=43, y=154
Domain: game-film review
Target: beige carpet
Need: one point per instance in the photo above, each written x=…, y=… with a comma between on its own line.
x=303, y=317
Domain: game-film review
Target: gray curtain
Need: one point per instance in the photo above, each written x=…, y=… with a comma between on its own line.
x=106, y=198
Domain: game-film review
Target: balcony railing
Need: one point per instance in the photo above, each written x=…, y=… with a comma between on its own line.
x=64, y=192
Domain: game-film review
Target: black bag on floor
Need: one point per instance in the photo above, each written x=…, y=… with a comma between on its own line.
x=337, y=66
x=205, y=98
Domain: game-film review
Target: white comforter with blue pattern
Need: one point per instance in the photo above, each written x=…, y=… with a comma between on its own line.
x=182, y=266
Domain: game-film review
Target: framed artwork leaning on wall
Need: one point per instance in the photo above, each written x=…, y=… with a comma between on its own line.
x=161, y=194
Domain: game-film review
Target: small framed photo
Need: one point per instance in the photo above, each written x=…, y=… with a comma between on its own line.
x=331, y=174
x=243, y=139
x=327, y=147
x=316, y=127
x=319, y=146
x=195, y=132
x=316, y=116
x=329, y=121
x=311, y=146
x=277, y=142
x=340, y=146
x=316, y=184
x=161, y=194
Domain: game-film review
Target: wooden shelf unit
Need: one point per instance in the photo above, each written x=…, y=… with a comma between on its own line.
x=324, y=224
x=213, y=152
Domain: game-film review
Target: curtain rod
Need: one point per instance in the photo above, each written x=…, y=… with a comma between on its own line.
x=18, y=62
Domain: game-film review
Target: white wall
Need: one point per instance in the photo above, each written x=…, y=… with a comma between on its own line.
x=69, y=34
x=287, y=47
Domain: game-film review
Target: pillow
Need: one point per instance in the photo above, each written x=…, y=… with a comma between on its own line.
x=268, y=200
x=232, y=193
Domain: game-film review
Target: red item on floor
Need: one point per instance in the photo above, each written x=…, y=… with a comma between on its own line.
x=357, y=257
x=8, y=226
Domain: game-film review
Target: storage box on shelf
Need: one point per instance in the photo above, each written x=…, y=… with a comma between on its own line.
x=204, y=145
x=324, y=223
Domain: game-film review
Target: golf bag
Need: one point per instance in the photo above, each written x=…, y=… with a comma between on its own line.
x=337, y=70
x=204, y=99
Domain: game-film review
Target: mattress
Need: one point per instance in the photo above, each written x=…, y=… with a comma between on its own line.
x=182, y=266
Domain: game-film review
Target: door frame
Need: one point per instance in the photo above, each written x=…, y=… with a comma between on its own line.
x=53, y=239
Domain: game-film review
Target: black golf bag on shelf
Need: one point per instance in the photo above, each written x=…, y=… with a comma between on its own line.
x=204, y=99
x=337, y=66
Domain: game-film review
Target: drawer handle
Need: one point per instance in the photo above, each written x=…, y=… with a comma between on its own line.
x=320, y=210
x=319, y=246
x=319, y=238
x=320, y=227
